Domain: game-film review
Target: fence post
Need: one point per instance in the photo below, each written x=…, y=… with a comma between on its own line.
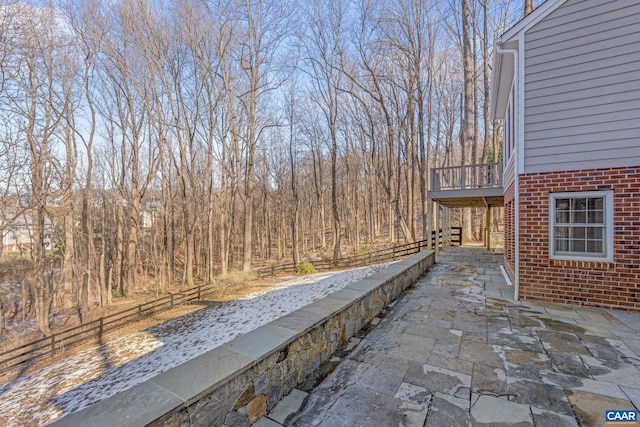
x=101, y=328
x=393, y=255
x=139, y=311
x=53, y=344
x=199, y=292
x=171, y=300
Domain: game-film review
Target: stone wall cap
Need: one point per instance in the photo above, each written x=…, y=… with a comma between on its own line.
x=134, y=407
x=262, y=341
x=349, y=294
x=300, y=320
x=366, y=285
x=328, y=305
x=191, y=379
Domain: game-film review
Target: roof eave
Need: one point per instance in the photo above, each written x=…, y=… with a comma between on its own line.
x=504, y=71
x=503, y=74
x=532, y=19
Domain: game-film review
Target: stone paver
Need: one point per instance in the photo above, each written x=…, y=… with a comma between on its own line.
x=492, y=411
x=456, y=350
x=288, y=406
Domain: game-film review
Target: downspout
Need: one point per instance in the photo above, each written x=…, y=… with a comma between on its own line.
x=516, y=89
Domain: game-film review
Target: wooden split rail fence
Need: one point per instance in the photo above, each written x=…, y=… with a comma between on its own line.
x=369, y=258
x=22, y=356
x=95, y=329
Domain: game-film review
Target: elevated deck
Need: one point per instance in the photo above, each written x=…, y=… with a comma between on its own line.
x=468, y=186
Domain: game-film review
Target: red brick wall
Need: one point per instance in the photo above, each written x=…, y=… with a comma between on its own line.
x=509, y=235
x=610, y=285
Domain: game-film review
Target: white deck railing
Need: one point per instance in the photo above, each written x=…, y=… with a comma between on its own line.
x=467, y=177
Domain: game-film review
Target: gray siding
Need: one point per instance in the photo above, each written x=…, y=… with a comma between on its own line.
x=508, y=174
x=582, y=87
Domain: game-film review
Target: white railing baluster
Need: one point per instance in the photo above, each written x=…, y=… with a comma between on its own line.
x=486, y=175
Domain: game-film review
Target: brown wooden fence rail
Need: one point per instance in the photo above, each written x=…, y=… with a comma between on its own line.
x=95, y=330
x=369, y=258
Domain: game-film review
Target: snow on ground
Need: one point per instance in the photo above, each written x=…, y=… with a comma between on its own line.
x=101, y=371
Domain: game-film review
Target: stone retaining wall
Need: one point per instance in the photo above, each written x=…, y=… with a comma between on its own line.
x=238, y=382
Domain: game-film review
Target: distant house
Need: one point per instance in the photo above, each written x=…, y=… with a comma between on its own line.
x=16, y=231
x=567, y=85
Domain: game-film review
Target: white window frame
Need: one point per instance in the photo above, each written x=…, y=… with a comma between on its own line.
x=607, y=244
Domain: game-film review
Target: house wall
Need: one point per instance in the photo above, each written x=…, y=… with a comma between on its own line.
x=16, y=238
x=509, y=231
x=509, y=174
x=611, y=285
x=582, y=91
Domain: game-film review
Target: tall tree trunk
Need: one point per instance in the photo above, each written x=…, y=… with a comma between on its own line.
x=337, y=227
x=528, y=6
x=468, y=136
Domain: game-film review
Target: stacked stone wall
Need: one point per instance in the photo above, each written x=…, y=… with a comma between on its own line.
x=239, y=382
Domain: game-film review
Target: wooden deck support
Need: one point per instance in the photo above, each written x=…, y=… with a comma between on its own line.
x=467, y=186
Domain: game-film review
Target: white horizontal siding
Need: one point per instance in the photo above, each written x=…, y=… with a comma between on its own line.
x=573, y=112
x=508, y=173
x=582, y=149
x=539, y=76
x=615, y=136
x=586, y=19
x=582, y=87
x=584, y=160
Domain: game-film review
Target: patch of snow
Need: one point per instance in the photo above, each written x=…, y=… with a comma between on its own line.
x=101, y=371
x=473, y=294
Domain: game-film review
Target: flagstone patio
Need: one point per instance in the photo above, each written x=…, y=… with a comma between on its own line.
x=456, y=350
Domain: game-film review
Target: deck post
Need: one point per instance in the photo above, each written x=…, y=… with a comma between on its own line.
x=429, y=218
x=448, y=216
x=487, y=228
x=437, y=228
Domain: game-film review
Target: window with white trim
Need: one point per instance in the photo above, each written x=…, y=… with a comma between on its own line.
x=581, y=226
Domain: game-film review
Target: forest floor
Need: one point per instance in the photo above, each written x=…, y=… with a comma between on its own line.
x=14, y=273
x=68, y=382
x=15, y=332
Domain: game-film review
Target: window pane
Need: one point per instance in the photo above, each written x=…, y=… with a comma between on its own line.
x=562, y=245
x=579, y=232
x=594, y=246
x=579, y=203
x=577, y=246
x=596, y=203
x=595, y=233
x=562, y=204
x=579, y=217
x=562, y=232
x=562, y=217
x=596, y=217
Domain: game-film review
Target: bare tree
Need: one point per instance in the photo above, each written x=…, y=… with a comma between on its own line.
x=528, y=7
x=84, y=19
x=264, y=23
x=37, y=98
x=293, y=166
x=324, y=55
